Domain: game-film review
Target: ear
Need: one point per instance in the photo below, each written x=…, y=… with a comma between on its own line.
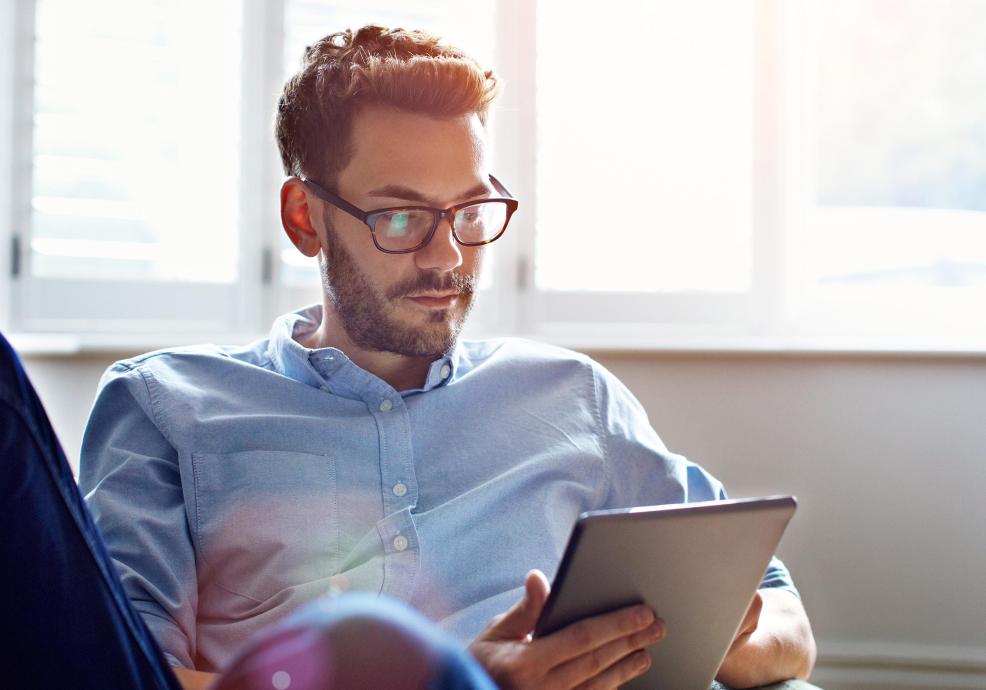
x=296, y=217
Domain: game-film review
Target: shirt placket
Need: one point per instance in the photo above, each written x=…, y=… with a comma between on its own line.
x=399, y=495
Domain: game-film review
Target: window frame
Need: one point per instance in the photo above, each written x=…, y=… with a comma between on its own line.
x=647, y=320
x=146, y=314
x=95, y=309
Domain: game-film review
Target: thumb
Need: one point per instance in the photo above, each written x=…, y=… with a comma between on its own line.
x=522, y=616
x=750, y=621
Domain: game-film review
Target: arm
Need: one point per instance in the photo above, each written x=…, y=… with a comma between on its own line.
x=133, y=486
x=775, y=643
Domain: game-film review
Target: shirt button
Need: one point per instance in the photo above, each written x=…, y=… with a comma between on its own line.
x=400, y=542
x=446, y=370
x=386, y=406
x=400, y=488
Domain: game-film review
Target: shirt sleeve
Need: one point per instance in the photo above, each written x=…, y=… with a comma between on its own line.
x=130, y=476
x=641, y=470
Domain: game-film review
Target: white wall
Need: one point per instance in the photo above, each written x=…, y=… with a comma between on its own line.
x=887, y=456
x=888, y=459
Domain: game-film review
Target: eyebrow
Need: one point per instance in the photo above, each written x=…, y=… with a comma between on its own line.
x=396, y=191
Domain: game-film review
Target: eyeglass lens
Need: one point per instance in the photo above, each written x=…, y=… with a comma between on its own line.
x=406, y=228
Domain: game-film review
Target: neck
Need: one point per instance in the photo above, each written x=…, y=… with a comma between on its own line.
x=399, y=371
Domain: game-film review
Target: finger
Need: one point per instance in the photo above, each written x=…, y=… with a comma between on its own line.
x=537, y=586
x=520, y=619
x=626, y=669
x=591, y=633
x=594, y=663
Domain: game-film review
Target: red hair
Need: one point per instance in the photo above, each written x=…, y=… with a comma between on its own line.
x=407, y=70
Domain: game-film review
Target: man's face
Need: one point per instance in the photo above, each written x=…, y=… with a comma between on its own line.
x=411, y=304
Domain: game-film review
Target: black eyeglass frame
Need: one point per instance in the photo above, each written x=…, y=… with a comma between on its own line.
x=369, y=217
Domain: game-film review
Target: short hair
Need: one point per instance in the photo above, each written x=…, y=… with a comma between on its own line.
x=407, y=70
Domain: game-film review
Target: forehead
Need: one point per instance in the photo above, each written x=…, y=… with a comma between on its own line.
x=436, y=156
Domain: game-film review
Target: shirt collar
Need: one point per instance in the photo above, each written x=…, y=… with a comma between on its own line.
x=330, y=367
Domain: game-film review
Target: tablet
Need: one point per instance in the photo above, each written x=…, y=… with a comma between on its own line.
x=698, y=565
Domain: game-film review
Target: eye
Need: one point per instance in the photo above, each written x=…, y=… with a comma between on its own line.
x=472, y=214
x=396, y=224
x=403, y=223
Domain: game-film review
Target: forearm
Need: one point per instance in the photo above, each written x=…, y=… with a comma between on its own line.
x=782, y=647
x=194, y=680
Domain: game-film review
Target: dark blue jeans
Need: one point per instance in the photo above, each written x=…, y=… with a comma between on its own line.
x=69, y=623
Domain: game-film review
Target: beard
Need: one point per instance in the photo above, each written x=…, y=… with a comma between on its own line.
x=369, y=316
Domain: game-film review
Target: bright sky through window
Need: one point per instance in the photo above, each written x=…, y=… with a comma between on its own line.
x=136, y=140
x=645, y=146
x=895, y=197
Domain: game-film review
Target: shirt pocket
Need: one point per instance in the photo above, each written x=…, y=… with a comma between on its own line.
x=265, y=521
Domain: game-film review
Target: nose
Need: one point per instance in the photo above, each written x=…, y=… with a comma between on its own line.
x=442, y=253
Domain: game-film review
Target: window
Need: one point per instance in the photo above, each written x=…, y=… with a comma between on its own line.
x=758, y=168
x=645, y=148
x=688, y=171
x=889, y=214
x=644, y=168
x=128, y=173
x=133, y=164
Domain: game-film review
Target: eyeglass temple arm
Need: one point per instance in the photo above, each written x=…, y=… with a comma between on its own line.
x=498, y=186
x=335, y=200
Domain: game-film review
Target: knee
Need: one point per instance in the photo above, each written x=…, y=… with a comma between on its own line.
x=353, y=641
x=377, y=643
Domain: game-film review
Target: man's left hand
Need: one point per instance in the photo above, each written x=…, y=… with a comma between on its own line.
x=774, y=643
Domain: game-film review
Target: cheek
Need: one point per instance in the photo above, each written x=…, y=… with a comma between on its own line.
x=396, y=269
x=472, y=259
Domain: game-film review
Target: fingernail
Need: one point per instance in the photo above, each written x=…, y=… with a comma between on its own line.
x=650, y=635
x=645, y=616
x=641, y=660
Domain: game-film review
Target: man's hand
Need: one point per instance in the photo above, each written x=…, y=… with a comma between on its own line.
x=774, y=643
x=749, y=626
x=599, y=652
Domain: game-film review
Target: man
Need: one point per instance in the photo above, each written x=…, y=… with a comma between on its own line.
x=363, y=446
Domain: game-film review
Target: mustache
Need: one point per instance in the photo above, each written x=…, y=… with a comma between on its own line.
x=434, y=282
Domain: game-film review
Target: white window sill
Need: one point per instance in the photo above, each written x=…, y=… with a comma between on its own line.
x=774, y=345
x=71, y=344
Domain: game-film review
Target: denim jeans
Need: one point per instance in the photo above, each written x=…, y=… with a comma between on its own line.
x=69, y=623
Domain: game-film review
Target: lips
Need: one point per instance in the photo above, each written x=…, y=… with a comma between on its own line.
x=433, y=300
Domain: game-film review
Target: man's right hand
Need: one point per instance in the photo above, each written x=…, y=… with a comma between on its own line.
x=603, y=651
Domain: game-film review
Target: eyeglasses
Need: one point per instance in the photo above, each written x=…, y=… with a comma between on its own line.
x=405, y=229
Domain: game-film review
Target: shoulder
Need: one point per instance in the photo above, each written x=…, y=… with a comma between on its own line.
x=519, y=356
x=198, y=363
x=525, y=359
x=254, y=354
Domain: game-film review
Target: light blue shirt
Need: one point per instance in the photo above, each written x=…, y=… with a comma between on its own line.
x=233, y=485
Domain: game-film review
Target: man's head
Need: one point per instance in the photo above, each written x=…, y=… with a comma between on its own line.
x=383, y=119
